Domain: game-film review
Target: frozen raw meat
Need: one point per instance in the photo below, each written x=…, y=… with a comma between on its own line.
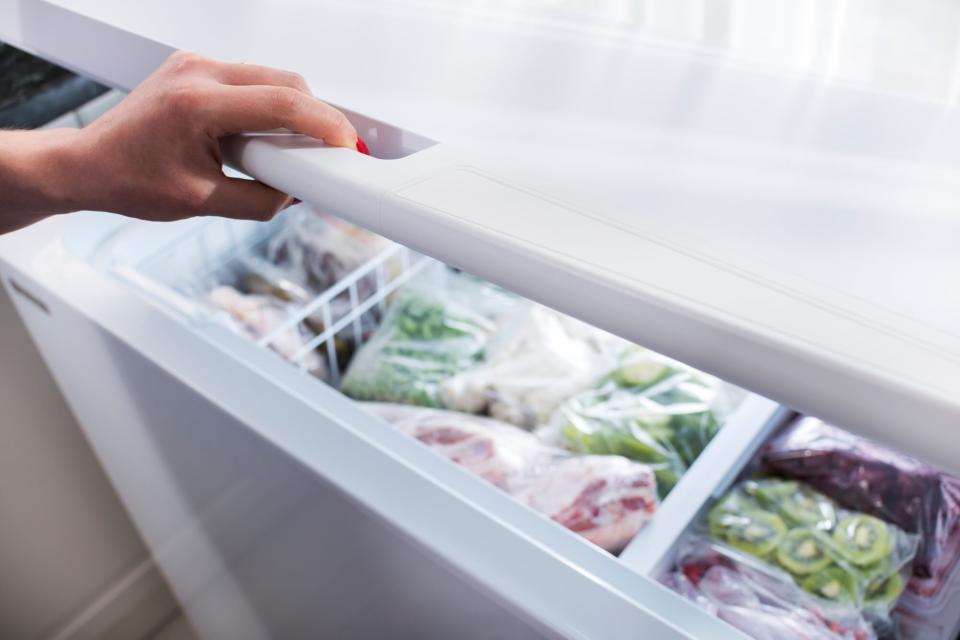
x=605, y=499
x=759, y=600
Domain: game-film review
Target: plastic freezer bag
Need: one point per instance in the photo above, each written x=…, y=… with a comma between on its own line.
x=257, y=316
x=836, y=555
x=435, y=328
x=867, y=477
x=317, y=251
x=536, y=358
x=605, y=499
x=648, y=408
x=757, y=599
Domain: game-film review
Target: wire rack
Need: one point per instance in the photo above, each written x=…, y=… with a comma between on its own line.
x=213, y=252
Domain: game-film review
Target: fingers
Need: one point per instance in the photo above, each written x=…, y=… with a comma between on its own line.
x=245, y=199
x=185, y=63
x=261, y=108
x=252, y=74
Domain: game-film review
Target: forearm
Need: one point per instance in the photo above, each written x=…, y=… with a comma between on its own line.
x=39, y=174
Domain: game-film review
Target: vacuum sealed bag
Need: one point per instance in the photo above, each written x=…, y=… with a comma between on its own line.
x=758, y=599
x=648, y=408
x=605, y=499
x=436, y=327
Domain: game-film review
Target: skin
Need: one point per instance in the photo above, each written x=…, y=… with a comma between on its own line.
x=156, y=155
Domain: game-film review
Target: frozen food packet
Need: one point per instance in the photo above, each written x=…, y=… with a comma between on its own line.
x=257, y=316
x=648, y=408
x=316, y=251
x=535, y=359
x=835, y=555
x=760, y=600
x=866, y=477
x=605, y=499
x=436, y=327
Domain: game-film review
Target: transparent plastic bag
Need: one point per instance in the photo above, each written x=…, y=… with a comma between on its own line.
x=760, y=600
x=316, y=251
x=649, y=408
x=536, y=358
x=605, y=499
x=256, y=316
x=435, y=328
x=835, y=555
x=869, y=478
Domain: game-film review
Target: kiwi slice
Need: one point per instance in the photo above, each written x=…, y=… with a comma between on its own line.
x=797, y=503
x=756, y=532
x=862, y=539
x=832, y=583
x=807, y=507
x=885, y=593
x=770, y=491
x=803, y=551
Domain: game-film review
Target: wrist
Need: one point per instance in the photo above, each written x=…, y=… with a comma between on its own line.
x=38, y=175
x=60, y=164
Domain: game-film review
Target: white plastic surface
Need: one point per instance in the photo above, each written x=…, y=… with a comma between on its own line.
x=771, y=200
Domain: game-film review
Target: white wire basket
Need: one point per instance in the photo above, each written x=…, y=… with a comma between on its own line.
x=212, y=252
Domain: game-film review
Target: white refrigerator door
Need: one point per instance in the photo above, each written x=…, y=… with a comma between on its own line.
x=277, y=508
x=767, y=194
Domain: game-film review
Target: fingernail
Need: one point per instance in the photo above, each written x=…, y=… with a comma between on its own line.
x=362, y=146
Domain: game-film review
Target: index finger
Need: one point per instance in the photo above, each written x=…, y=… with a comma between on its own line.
x=234, y=109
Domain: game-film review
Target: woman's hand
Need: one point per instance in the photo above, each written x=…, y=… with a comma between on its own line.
x=156, y=155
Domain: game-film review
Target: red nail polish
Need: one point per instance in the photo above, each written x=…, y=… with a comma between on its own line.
x=362, y=146
x=295, y=201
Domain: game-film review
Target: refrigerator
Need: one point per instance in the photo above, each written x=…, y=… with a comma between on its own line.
x=764, y=191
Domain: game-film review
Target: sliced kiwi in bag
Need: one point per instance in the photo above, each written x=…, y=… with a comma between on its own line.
x=755, y=532
x=861, y=539
x=770, y=491
x=832, y=583
x=885, y=594
x=797, y=503
x=803, y=551
x=807, y=507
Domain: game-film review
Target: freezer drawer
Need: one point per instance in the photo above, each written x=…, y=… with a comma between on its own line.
x=254, y=482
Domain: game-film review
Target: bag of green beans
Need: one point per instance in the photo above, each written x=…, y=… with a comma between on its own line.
x=436, y=327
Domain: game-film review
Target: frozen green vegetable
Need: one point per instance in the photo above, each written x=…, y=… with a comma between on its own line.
x=649, y=408
x=434, y=329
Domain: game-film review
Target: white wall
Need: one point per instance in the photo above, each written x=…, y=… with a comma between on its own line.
x=66, y=543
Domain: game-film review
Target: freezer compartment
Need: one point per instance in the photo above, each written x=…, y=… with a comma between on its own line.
x=318, y=326
x=823, y=525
